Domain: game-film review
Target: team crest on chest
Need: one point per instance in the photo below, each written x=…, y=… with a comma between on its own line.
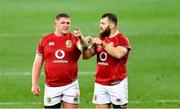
x=68, y=44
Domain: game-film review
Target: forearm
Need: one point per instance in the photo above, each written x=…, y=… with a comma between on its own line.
x=36, y=70
x=36, y=74
x=88, y=53
x=83, y=42
x=116, y=52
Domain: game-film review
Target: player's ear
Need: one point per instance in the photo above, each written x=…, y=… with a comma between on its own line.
x=111, y=25
x=55, y=22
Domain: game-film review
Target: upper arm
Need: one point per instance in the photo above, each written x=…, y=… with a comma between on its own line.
x=123, y=46
x=122, y=51
x=38, y=61
x=78, y=45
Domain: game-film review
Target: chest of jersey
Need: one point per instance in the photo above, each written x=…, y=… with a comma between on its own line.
x=102, y=55
x=59, y=48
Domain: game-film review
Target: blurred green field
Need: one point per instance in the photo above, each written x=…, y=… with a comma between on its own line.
x=152, y=26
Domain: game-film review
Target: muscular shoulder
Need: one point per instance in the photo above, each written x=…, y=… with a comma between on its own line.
x=121, y=36
x=123, y=40
x=46, y=37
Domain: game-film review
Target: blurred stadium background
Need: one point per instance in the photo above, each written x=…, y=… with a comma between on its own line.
x=152, y=26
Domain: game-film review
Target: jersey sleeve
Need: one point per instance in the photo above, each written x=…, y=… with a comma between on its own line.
x=40, y=48
x=123, y=41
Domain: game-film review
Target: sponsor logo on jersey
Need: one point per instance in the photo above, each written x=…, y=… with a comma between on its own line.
x=103, y=57
x=68, y=44
x=51, y=43
x=103, y=63
x=59, y=54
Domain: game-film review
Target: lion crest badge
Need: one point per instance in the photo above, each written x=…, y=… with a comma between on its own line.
x=68, y=44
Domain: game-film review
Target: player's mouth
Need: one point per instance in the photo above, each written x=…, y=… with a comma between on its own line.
x=65, y=29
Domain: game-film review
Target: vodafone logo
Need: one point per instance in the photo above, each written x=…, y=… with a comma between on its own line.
x=103, y=56
x=59, y=54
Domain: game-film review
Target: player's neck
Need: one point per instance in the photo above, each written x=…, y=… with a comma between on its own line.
x=58, y=34
x=114, y=32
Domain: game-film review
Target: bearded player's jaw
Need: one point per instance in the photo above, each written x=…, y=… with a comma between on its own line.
x=106, y=32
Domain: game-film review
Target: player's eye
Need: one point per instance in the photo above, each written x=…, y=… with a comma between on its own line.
x=67, y=23
x=103, y=23
x=62, y=22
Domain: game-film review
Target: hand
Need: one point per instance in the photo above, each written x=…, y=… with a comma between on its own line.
x=97, y=41
x=88, y=39
x=77, y=33
x=35, y=90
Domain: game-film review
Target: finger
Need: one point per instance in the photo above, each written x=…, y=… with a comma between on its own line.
x=36, y=93
x=91, y=39
x=77, y=29
x=74, y=31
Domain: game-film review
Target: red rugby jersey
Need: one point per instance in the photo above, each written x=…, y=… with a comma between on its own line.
x=61, y=55
x=110, y=69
